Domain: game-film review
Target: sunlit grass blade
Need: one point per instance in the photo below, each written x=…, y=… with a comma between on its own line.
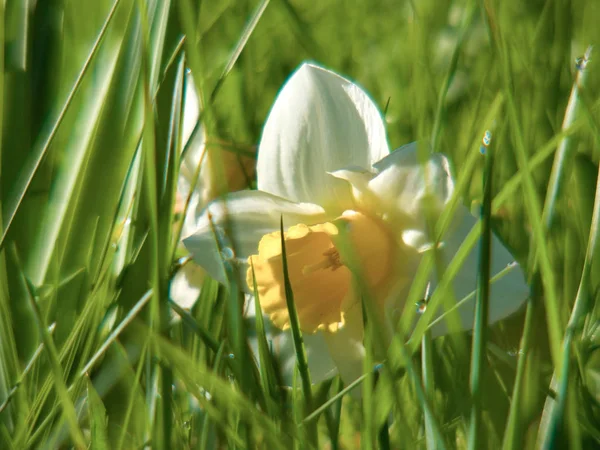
x=131, y=315
x=9, y=208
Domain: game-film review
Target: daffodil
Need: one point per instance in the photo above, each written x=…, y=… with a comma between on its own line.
x=354, y=214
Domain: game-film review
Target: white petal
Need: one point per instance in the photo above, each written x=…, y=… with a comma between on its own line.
x=320, y=122
x=186, y=284
x=507, y=294
x=405, y=188
x=320, y=364
x=191, y=108
x=239, y=221
x=194, y=157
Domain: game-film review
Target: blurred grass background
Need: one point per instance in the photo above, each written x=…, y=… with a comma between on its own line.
x=91, y=97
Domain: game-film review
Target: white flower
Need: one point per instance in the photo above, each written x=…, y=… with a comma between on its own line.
x=191, y=189
x=352, y=211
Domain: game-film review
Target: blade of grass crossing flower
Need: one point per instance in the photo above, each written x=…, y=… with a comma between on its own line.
x=478, y=352
x=245, y=370
x=267, y=377
x=444, y=285
x=302, y=362
x=554, y=408
x=420, y=281
x=396, y=352
x=368, y=431
x=465, y=176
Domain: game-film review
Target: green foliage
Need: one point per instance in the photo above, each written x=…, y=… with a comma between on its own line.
x=94, y=353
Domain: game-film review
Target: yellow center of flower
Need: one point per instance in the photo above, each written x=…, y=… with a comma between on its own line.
x=319, y=261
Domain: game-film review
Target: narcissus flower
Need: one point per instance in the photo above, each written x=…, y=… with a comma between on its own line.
x=354, y=215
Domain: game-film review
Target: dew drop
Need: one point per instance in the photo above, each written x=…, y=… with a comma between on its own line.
x=227, y=253
x=421, y=306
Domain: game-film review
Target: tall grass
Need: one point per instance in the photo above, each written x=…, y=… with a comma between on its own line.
x=95, y=353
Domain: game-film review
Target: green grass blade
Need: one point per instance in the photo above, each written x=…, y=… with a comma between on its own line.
x=68, y=407
x=428, y=386
x=9, y=209
x=534, y=213
x=478, y=352
x=97, y=414
x=566, y=149
x=469, y=15
x=237, y=51
x=267, y=375
x=302, y=362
